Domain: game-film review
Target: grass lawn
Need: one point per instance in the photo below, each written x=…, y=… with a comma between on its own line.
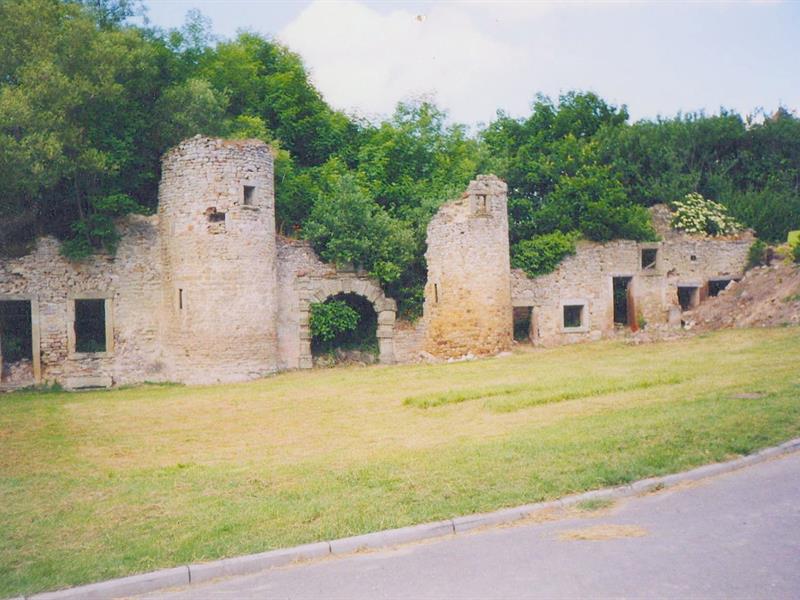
x=102, y=484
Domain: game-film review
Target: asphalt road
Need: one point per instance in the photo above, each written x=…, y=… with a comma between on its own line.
x=732, y=536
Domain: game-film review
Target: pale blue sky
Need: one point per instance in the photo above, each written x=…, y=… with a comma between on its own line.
x=475, y=57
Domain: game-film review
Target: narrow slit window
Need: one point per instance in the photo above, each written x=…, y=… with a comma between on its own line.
x=90, y=325
x=180, y=298
x=249, y=195
x=436, y=293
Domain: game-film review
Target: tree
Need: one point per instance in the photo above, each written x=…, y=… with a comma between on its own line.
x=347, y=227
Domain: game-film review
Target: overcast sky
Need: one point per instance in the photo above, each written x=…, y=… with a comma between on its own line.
x=475, y=57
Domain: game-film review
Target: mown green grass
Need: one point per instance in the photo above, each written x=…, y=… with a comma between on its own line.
x=103, y=484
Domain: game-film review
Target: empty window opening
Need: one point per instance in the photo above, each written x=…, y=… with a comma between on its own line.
x=693, y=257
x=715, y=286
x=90, y=325
x=623, y=301
x=482, y=206
x=180, y=298
x=16, y=338
x=215, y=217
x=649, y=257
x=688, y=296
x=436, y=293
x=249, y=195
x=523, y=317
x=573, y=316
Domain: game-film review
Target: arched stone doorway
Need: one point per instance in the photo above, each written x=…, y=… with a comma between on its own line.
x=319, y=289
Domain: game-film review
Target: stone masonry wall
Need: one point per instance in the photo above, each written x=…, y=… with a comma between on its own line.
x=467, y=306
x=587, y=279
x=131, y=283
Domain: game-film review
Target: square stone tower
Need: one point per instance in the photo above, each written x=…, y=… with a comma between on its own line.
x=467, y=306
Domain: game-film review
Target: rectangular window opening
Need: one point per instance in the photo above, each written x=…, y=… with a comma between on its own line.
x=715, y=286
x=573, y=316
x=649, y=257
x=688, y=296
x=249, y=195
x=16, y=332
x=522, y=323
x=90, y=325
x=216, y=217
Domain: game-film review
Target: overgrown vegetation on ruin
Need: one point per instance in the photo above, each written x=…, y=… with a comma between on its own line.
x=102, y=484
x=89, y=103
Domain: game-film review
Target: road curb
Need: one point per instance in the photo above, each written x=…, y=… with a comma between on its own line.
x=252, y=563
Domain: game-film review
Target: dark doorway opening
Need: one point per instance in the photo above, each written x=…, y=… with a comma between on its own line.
x=523, y=316
x=623, y=302
x=16, y=336
x=688, y=296
x=715, y=286
x=355, y=337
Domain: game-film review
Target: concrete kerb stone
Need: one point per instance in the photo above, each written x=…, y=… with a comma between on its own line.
x=125, y=586
x=392, y=537
x=254, y=563
x=179, y=576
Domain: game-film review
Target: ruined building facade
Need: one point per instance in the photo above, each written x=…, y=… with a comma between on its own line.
x=205, y=291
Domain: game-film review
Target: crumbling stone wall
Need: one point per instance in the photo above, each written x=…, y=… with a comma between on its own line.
x=467, y=306
x=303, y=280
x=131, y=281
x=587, y=278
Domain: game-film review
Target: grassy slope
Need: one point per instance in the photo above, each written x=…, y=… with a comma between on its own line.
x=97, y=485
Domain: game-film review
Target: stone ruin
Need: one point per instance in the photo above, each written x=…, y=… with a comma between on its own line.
x=205, y=291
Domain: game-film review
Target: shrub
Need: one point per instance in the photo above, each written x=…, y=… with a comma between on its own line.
x=757, y=255
x=543, y=253
x=796, y=253
x=331, y=318
x=698, y=215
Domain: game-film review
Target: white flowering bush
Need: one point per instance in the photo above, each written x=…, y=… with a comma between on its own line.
x=698, y=215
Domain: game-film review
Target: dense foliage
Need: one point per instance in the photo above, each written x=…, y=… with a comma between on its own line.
x=90, y=102
x=542, y=253
x=331, y=318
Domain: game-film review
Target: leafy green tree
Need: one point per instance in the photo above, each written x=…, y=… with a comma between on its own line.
x=346, y=227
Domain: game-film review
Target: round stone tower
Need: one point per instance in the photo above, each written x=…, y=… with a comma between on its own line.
x=217, y=226
x=467, y=306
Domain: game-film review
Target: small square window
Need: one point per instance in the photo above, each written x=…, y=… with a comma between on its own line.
x=249, y=195
x=216, y=217
x=573, y=316
x=649, y=257
x=90, y=325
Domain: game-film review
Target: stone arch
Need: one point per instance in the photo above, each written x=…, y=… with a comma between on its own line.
x=319, y=289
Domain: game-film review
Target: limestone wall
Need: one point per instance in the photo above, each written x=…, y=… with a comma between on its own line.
x=467, y=296
x=587, y=279
x=296, y=261
x=131, y=284
x=218, y=249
